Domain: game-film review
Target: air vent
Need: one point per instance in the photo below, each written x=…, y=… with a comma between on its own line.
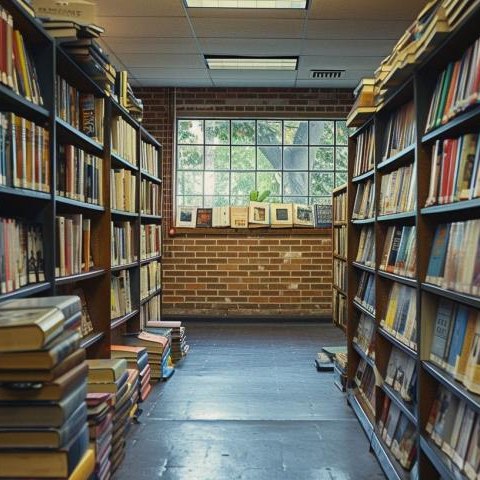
x=327, y=74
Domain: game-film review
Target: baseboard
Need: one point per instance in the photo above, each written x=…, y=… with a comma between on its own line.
x=250, y=318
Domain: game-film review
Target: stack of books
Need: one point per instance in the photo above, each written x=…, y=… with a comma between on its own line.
x=364, y=104
x=126, y=98
x=134, y=396
x=137, y=359
x=100, y=415
x=43, y=376
x=111, y=376
x=179, y=347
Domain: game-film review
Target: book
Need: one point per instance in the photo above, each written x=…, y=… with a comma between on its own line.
x=340, y=274
x=442, y=332
x=323, y=216
x=150, y=311
x=281, y=215
x=366, y=247
x=364, y=152
x=150, y=279
x=259, y=214
x=364, y=336
x=398, y=191
x=366, y=291
x=204, y=218
x=124, y=139
x=303, y=215
x=123, y=243
x=123, y=190
x=150, y=198
x=121, y=295
x=106, y=371
x=399, y=131
x=186, y=217
x=149, y=157
x=150, y=241
x=364, y=205
x=339, y=205
x=239, y=217
x=221, y=217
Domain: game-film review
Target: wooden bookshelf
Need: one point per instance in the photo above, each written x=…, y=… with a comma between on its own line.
x=432, y=463
x=42, y=207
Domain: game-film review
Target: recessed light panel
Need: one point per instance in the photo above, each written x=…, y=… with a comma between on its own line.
x=251, y=63
x=296, y=4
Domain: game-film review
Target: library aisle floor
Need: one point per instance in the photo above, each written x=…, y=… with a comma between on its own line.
x=248, y=404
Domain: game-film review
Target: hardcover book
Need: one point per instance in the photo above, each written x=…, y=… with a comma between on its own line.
x=281, y=215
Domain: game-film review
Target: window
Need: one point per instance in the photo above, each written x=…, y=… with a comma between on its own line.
x=220, y=161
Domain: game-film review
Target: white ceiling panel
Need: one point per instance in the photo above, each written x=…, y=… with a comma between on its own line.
x=135, y=8
x=260, y=46
x=268, y=14
x=356, y=29
x=341, y=62
x=133, y=60
x=353, y=48
x=329, y=84
x=173, y=82
x=154, y=45
x=147, y=27
x=349, y=75
x=170, y=73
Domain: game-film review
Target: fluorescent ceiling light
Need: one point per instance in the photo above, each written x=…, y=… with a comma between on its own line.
x=297, y=4
x=251, y=63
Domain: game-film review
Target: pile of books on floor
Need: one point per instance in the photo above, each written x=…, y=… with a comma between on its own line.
x=43, y=376
x=179, y=347
x=100, y=415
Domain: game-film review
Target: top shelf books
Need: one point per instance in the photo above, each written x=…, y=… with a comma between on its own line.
x=365, y=152
x=399, y=131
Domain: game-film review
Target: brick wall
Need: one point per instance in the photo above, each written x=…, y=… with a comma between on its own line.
x=284, y=273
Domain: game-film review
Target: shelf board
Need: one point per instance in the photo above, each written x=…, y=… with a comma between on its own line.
x=363, y=417
x=363, y=221
x=363, y=267
x=23, y=107
x=451, y=384
x=26, y=291
x=389, y=464
x=339, y=257
x=94, y=147
x=363, y=176
x=150, y=177
x=149, y=138
x=340, y=290
x=442, y=463
x=407, y=410
x=411, y=282
x=393, y=217
x=80, y=277
x=370, y=361
x=25, y=193
x=124, y=113
x=399, y=158
x=116, y=322
x=146, y=216
x=126, y=266
x=150, y=296
x=368, y=120
x=363, y=309
x=122, y=162
x=91, y=339
x=397, y=343
x=150, y=259
x=452, y=295
x=454, y=126
x=452, y=207
x=78, y=204
x=121, y=213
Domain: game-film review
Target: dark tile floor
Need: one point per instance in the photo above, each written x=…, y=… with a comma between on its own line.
x=248, y=404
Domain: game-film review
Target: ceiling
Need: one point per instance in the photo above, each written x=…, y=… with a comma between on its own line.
x=162, y=43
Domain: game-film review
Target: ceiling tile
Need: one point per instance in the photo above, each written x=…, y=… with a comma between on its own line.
x=173, y=82
x=159, y=8
x=337, y=47
x=247, y=46
x=162, y=60
x=155, y=45
x=252, y=75
x=170, y=73
x=233, y=13
x=146, y=27
x=356, y=29
x=340, y=62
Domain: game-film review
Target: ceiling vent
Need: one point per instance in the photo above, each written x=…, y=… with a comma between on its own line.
x=327, y=74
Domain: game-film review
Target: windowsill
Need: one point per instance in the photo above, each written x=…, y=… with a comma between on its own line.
x=267, y=232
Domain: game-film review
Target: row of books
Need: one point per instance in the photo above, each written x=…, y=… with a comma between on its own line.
x=17, y=68
x=126, y=98
x=339, y=308
x=365, y=382
x=123, y=244
x=364, y=336
x=364, y=152
x=365, y=295
x=457, y=88
x=73, y=245
x=150, y=278
x=455, y=172
x=340, y=207
x=257, y=214
x=24, y=153
x=21, y=254
x=82, y=111
x=400, y=131
x=340, y=241
x=151, y=311
x=401, y=374
x=454, y=342
x=150, y=198
x=450, y=265
x=400, y=251
x=366, y=247
x=150, y=240
x=398, y=191
x=121, y=294
x=400, y=318
x=150, y=159
x=340, y=274
x=123, y=190
x=398, y=433
x=79, y=175
x=124, y=140
x=364, y=206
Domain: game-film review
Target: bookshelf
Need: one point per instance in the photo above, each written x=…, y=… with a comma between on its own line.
x=429, y=460
x=43, y=208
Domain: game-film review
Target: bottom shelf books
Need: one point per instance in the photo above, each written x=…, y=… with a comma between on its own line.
x=366, y=291
x=339, y=308
x=455, y=428
x=398, y=433
x=365, y=382
x=121, y=303
x=365, y=335
x=401, y=374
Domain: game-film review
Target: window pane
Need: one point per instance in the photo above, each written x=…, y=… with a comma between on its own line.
x=190, y=131
x=269, y=181
x=269, y=158
x=295, y=158
x=190, y=183
x=322, y=132
x=219, y=201
x=243, y=158
x=243, y=132
x=243, y=183
x=321, y=158
x=295, y=133
x=342, y=133
x=239, y=201
x=321, y=183
x=321, y=200
x=295, y=183
x=189, y=201
x=341, y=158
x=340, y=178
x=217, y=132
x=269, y=132
x=291, y=199
x=217, y=158
x=275, y=199
x=217, y=183
x=190, y=157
